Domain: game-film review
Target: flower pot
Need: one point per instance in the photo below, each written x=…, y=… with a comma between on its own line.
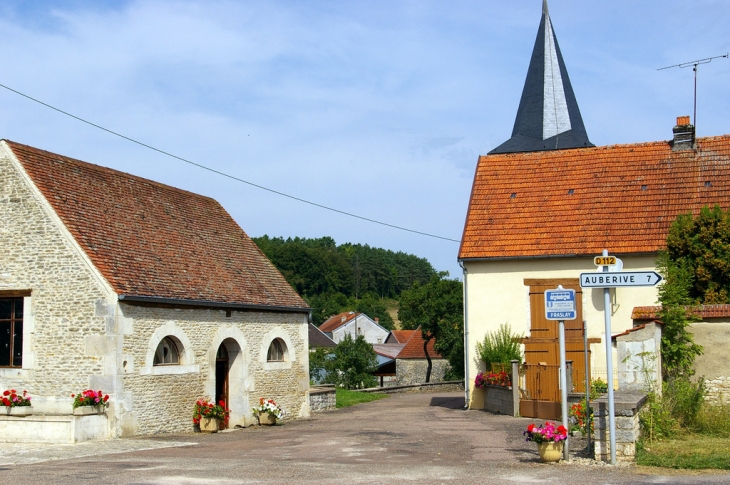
x=209, y=425
x=550, y=451
x=266, y=419
x=19, y=411
x=86, y=410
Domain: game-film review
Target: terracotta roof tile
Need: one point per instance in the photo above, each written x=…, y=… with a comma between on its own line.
x=153, y=240
x=703, y=311
x=402, y=336
x=336, y=321
x=414, y=348
x=388, y=350
x=580, y=201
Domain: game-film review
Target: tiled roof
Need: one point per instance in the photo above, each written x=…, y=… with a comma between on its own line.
x=152, y=240
x=703, y=311
x=318, y=339
x=335, y=322
x=388, y=350
x=583, y=200
x=401, y=336
x=414, y=348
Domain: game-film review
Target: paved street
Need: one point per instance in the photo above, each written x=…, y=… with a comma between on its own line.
x=415, y=438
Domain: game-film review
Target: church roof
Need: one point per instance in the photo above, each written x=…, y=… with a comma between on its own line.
x=548, y=117
x=156, y=243
x=578, y=202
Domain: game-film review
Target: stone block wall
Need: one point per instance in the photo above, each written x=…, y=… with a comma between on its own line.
x=65, y=315
x=627, y=406
x=718, y=390
x=413, y=371
x=161, y=398
x=322, y=399
x=500, y=400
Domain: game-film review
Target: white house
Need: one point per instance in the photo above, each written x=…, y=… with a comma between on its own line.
x=354, y=324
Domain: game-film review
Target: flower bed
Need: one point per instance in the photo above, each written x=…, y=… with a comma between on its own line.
x=500, y=379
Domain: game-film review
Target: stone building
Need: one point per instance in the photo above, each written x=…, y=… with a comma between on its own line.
x=402, y=359
x=152, y=294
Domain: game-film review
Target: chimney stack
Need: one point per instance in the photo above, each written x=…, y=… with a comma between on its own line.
x=684, y=134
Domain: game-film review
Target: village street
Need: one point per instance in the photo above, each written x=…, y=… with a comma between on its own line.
x=410, y=438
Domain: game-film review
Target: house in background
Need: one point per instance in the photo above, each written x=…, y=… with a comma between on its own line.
x=354, y=324
x=402, y=359
x=547, y=201
x=150, y=293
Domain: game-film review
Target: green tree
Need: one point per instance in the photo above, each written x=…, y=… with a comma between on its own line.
x=353, y=364
x=438, y=309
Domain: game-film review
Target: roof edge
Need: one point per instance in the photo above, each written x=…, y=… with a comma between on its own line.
x=546, y=256
x=212, y=304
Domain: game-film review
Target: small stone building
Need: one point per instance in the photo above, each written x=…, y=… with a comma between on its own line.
x=152, y=294
x=402, y=358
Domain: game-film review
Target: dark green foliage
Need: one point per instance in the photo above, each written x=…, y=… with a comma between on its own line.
x=500, y=347
x=353, y=364
x=438, y=308
x=318, y=364
x=335, y=278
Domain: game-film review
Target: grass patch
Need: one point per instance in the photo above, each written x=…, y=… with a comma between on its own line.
x=350, y=398
x=691, y=451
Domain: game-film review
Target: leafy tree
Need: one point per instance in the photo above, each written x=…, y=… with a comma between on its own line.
x=500, y=347
x=438, y=308
x=373, y=307
x=353, y=364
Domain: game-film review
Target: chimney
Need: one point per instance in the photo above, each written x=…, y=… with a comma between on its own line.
x=684, y=134
x=377, y=320
x=343, y=318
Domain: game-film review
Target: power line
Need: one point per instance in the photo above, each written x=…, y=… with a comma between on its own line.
x=232, y=177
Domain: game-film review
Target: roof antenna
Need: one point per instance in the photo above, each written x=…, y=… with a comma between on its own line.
x=695, y=64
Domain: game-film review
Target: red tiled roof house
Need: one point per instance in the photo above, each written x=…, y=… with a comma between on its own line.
x=547, y=201
x=150, y=293
x=354, y=324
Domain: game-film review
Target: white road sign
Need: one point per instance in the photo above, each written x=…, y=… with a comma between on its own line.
x=624, y=278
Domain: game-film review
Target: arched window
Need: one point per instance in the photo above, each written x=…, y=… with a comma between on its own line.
x=167, y=353
x=276, y=351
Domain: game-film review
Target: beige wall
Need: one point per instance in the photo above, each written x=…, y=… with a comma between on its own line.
x=713, y=365
x=496, y=294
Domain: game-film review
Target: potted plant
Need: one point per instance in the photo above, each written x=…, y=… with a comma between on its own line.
x=89, y=402
x=210, y=416
x=549, y=439
x=268, y=412
x=16, y=404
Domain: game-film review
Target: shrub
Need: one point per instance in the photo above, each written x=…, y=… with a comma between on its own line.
x=501, y=346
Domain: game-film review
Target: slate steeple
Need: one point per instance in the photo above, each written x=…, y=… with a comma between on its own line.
x=548, y=117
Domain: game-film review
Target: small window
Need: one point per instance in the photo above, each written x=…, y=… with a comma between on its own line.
x=167, y=353
x=11, y=332
x=276, y=351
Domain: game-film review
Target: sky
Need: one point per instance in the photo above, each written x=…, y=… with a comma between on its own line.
x=375, y=108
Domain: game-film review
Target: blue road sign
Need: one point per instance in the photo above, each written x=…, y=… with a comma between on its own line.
x=560, y=304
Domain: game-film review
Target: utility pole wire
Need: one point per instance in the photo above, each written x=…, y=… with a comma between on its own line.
x=232, y=177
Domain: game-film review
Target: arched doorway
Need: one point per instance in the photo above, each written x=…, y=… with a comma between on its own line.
x=222, y=366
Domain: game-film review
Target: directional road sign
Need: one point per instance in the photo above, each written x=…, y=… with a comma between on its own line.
x=623, y=278
x=560, y=304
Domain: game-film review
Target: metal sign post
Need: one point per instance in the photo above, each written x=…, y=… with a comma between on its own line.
x=609, y=366
x=560, y=306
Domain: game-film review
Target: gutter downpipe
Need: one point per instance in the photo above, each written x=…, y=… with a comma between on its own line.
x=466, y=339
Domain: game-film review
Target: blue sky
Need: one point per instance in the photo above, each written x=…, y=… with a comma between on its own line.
x=378, y=108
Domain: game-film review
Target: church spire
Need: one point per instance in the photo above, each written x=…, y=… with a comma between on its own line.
x=548, y=117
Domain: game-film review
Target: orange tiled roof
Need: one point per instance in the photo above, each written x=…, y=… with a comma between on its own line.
x=402, y=336
x=414, y=348
x=152, y=240
x=581, y=201
x=336, y=321
x=703, y=311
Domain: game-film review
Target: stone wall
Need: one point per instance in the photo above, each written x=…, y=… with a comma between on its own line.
x=161, y=398
x=713, y=365
x=444, y=386
x=413, y=371
x=718, y=390
x=500, y=400
x=322, y=399
x=627, y=406
x=65, y=314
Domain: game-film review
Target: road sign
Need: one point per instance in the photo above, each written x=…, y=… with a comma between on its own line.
x=560, y=304
x=605, y=260
x=624, y=278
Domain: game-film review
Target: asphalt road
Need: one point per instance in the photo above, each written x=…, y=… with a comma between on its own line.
x=413, y=438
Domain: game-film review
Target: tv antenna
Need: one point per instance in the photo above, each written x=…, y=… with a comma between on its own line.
x=695, y=64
